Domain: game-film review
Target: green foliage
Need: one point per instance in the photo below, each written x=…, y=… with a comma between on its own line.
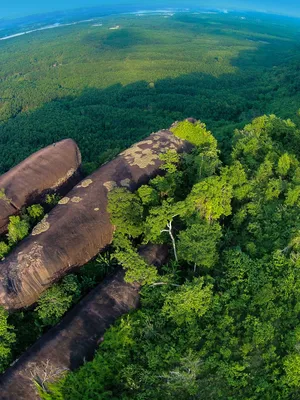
x=284, y=164
x=148, y=195
x=7, y=338
x=157, y=209
x=53, y=390
x=292, y=370
x=170, y=159
x=52, y=199
x=53, y=304
x=224, y=76
x=189, y=302
x=159, y=217
x=263, y=214
x=18, y=229
x=194, y=133
x=233, y=334
x=216, y=340
x=198, y=244
x=137, y=270
x=211, y=198
x=35, y=212
x=126, y=211
x=4, y=249
x=3, y=196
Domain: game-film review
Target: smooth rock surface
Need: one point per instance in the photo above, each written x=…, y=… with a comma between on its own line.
x=54, y=169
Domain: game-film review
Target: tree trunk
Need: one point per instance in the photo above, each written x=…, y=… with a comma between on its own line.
x=173, y=240
x=169, y=231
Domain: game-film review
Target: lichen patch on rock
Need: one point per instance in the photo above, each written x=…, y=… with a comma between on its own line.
x=110, y=185
x=42, y=227
x=140, y=157
x=86, y=183
x=64, y=178
x=156, y=138
x=125, y=182
x=76, y=199
x=146, y=142
x=64, y=200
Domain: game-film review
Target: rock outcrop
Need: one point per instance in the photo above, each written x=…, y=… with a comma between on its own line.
x=79, y=226
x=76, y=337
x=54, y=169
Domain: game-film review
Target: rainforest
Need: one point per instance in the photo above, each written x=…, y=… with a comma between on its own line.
x=216, y=187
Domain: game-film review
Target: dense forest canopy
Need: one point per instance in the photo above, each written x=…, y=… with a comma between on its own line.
x=221, y=319
x=109, y=88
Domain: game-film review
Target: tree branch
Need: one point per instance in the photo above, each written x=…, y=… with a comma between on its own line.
x=163, y=283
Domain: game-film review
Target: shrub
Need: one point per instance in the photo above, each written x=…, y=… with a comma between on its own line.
x=17, y=229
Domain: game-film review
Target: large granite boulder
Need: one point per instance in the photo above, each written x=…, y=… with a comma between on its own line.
x=75, y=339
x=54, y=169
x=79, y=226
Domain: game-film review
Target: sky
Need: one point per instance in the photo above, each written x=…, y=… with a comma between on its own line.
x=15, y=8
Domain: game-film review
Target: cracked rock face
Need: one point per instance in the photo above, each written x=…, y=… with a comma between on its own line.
x=54, y=169
x=79, y=226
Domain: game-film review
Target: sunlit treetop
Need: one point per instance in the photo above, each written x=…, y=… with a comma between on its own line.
x=194, y=132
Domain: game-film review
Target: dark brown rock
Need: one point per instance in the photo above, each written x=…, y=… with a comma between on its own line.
x=77, y=336
x=191, y=120
x=54, y=169
x=79, y=226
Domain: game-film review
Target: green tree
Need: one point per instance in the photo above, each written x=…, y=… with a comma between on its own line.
x=137, y=270
x=52, y=199
x=7, y=339
x=195, y=133
x=126, y=212
x=160, y=221
x=198, y=244
x=170, y=160
x=54, y=303
x=284, y=164
x=35, y=212
x=183, y=381
x=4, y=249
x=211, y=198
x=148, y=195
x=17, y=229
x=189, y=302
x=292, y=370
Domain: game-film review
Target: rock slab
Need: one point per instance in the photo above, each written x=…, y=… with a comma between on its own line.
x=54, y=169
x=79, y=226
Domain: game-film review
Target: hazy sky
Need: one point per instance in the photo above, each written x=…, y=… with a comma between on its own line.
x=9, y=8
